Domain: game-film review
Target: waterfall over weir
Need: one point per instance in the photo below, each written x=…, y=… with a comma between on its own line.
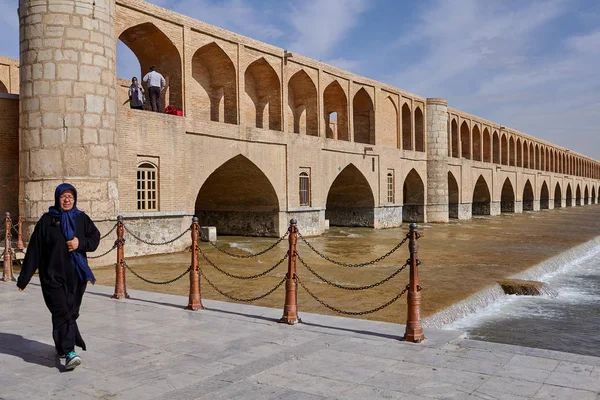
x=492, y=294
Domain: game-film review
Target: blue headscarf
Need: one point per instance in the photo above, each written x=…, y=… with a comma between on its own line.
x=67, y=225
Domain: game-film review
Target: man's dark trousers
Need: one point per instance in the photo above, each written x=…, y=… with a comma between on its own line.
x=154, y=98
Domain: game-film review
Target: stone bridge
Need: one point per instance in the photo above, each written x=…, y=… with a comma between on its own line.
x=266, y=134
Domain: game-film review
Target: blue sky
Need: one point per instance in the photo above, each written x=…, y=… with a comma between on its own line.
x=529, y=65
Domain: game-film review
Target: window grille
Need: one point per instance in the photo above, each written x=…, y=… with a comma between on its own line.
x=304, y=189
x=147, y=193
x=390, y=187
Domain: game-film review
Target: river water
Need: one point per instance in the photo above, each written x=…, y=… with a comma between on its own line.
x=568, y=322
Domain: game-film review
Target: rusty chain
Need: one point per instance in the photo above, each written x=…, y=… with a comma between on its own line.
x=109, y=232
x=353, y=287
x=364, y=264
x=337, y=310
x=262, y=296
x=106, y=253
x=241, y=276
x=157, y=282
x=252, y=255
x=156, y=243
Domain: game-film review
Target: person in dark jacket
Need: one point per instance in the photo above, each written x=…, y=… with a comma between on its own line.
x=58, y=248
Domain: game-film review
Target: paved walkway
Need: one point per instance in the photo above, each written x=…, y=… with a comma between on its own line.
x=149, y=348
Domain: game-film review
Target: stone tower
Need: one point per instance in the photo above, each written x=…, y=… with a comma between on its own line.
x=437, y=160
x=68, y=105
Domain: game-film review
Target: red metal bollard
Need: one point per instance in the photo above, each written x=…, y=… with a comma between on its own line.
x=7, y=274
x=120, y=284
x=195, y=300
x=414, y=330
x=290, y=309
x=20, y=245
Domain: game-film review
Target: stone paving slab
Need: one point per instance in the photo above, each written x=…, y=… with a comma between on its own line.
x=148, y=347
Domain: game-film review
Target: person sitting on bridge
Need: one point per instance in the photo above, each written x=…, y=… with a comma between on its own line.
x=156, y=84
x=58, y=249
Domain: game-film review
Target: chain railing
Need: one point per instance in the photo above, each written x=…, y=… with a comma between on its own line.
x=149, y=243
x=242, y=300
x=169, y=281
x=251, y=255
x=229, y=274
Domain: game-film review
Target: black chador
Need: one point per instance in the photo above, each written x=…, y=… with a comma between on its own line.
x=58, y=249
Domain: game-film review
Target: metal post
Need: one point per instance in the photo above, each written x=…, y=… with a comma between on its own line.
x=195, y=301
x=120, y=285
x=290, y=309
x=20, y=245
x=7, y=274
x=414, y=330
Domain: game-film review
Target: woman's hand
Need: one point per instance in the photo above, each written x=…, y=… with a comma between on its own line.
x=73, y=245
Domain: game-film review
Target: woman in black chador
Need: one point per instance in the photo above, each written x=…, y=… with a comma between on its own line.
x=58, y=248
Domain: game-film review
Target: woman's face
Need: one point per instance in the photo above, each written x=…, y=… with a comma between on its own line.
x=67, y=200
x=134, y=81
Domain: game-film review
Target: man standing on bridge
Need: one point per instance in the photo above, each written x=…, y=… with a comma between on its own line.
x=156, y=84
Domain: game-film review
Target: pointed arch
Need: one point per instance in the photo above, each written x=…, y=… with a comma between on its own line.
x=496, y=141
x=407, y=143
x=487, y=148
x=336, y=103
x=537, y=157
x=528, y=197
x=519, y=153
x=214, y=86
x=388, y=124
x=593, y=195
x=350, y=201
x=263, y=94
x=419, y=130
x=363, y=117
x=544, y=197
x=507, y=197
x=542, y=159
x=239, y=199
x=413, y=195
x=453, y=196
x=531, y=156
x=302, y=105
x=465, y=139
x=511, y=151
x=152, y=47
x=578, y=196
x=586, y=196
x=476, y=143
x=525, y=154
x=557, y=196
x=569, y=196
x=455, y=139
x=3, y=88
x=481, y=198
x=504, y=146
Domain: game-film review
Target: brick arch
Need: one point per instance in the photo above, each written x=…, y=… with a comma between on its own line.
x=453, y=196
x=214, y=85
x=557, y=196
x=507, y=197
x=363, y=117
x=487, y=150
x=496, y=145
x=476, y=151
x=239, y=199
x=528, y=196
x=465, y=140
x=455, y=139
x=302, y=105
x=419, y=130
x=388, y=123
x=350, y=200
x=537, y=157
x=586, y=196
x=152, y=46
x=593, y=194
x=407, y=142
x=504, y=147
x=569, y=196
x=335, y=101
x=525, y=154
x=511, y=151
x=3, y=88
x=263, y=96
x=578, y=196
x=544, y=196
x=482, y=197
x=531, y=156
x=413, y=198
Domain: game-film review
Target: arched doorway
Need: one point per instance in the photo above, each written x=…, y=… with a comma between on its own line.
x=413, y=206
x=239, y=199
x=152, y=47
x=453, y=196
x=214, y=86
x=302, y=103
x=578, y=196
x=569, y=196
x=544, y=197
x=363, y=118
x=586, y=196
x=263, y=109
x=507, y=198
x=350, y=200
x=481, y=198
x=528, y=197
x=557, y=196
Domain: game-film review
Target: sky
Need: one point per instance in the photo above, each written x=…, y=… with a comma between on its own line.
x=529, y=65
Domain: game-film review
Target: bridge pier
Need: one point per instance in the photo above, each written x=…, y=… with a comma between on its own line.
x=436, y=209
x=465, y=211
x=518, y=207
x=388, y=217
x=495, y=208
x=536, y=205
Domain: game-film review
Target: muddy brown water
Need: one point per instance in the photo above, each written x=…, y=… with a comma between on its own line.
x=458, y=259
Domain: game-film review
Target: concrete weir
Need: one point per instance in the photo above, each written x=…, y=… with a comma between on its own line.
x=149, y=348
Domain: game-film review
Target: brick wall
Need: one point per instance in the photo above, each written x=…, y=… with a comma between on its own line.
x=9, y=154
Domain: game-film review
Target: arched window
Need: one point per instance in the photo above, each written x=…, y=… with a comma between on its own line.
x=147, y=192
x=390, y=187
x=304, y=189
